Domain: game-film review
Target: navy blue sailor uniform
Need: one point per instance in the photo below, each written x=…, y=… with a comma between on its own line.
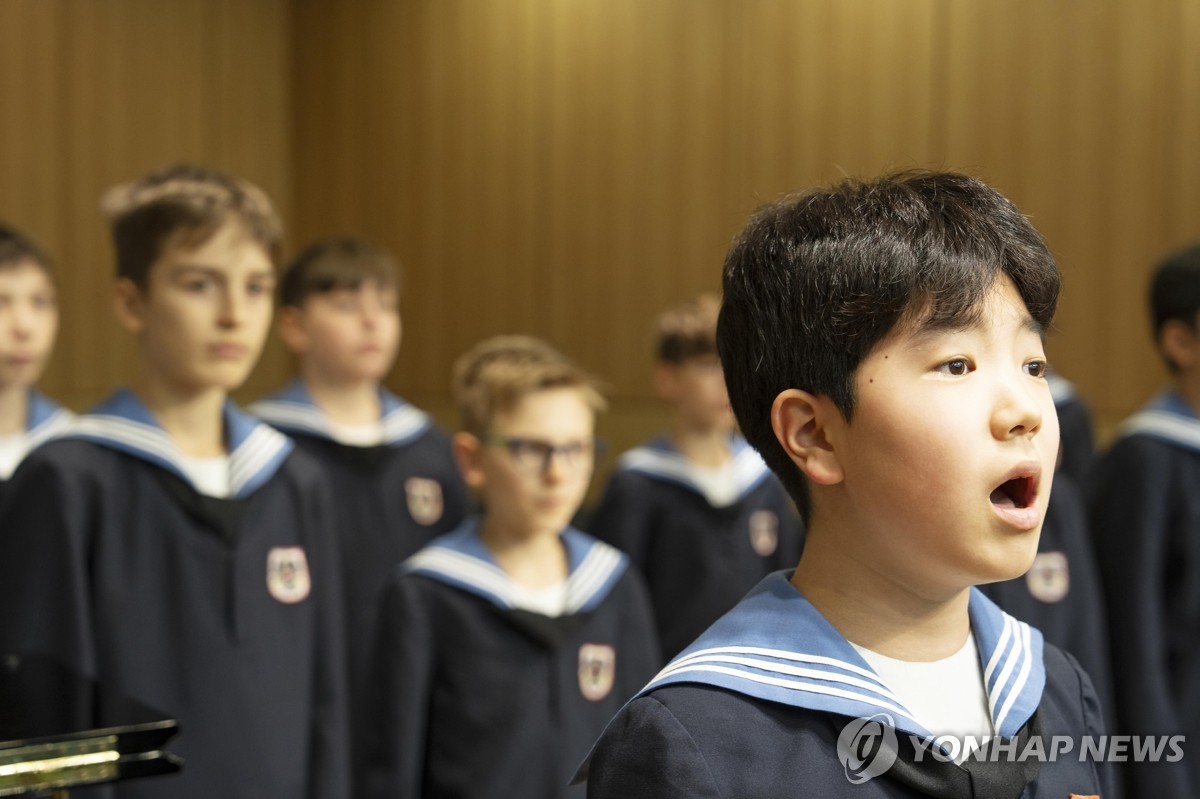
x=1145, y=513
x=391, y=499
x=44, y=419
x=773, y=702
x=699, y=553
x=222, y=612
x=475, y=697
x=1077, y=448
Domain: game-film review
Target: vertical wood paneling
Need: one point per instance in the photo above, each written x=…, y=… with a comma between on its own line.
x=96, y=92
x=568, y=169
x=1068, y=108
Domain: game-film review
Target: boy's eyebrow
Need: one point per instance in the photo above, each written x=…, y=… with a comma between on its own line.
x=216, y=271
x=930, y=329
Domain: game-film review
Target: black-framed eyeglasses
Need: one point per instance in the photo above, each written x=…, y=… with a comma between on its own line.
x=532, y=456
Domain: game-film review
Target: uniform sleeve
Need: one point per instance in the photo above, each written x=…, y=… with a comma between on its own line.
x=330, y=742
x=1131, y=519
x=647, y=754
x=45, y=585
x=398, y=692
x=624, y=518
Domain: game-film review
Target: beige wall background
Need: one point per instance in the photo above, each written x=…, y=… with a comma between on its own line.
x=567, y=168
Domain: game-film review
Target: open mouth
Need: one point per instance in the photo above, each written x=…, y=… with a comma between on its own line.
x=1019, y=492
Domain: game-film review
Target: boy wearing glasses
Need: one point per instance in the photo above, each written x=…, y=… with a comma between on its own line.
x=504, y=647
x=696, y=509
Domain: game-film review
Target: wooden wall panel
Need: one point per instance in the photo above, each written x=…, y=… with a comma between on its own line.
x=568, y=169
x=109, y=89
x=1068, y=108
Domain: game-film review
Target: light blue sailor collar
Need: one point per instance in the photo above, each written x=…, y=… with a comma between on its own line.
x=292, y=410
x=1167, y=417
x=44, y=419
x=122, y=422
x=776, y=646
x=660, y=459
x=460, y=558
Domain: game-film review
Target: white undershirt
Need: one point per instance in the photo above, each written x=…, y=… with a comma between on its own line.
x=210, y=476
x=945, y=696
x=357, y=435
x=548, y=601
x=717, y=483
x=12, y=450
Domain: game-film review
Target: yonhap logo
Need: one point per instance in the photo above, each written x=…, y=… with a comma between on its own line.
x=867, y=747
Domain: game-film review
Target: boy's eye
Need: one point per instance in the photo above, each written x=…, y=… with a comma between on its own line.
x=1036, y=368
x=956, y=367
x=198, y=285
x=257, y=287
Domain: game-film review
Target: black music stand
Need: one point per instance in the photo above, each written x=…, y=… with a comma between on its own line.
x=59, y=730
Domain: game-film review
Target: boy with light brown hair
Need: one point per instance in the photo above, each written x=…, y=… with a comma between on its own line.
x=171, y=546
x=504, y=646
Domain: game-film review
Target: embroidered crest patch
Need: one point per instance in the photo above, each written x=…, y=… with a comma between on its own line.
x=597, y=668
x=1049, y=579
x=288, y=579
x=425, y=503
x=764, y=532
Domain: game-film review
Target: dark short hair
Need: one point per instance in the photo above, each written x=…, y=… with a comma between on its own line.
x=814, y=282
x=188, y=201
x=340, y=262
x=1175, y=292
x=688, y=330
x=17, y=248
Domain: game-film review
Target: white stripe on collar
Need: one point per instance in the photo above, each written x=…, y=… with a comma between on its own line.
x=661, y=460
x=460, y=558
x=807, y=663
x=123, y=423
x=1166, y=417
x=293, y=410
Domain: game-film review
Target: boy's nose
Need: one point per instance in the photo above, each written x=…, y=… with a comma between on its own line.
x=233, y=309
x=1018, y=410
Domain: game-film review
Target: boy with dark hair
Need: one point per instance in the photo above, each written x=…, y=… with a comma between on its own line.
x=697, y=510
x=504, y=646
x=882, y=343
x=173, y=547
x=1145, y=511
x=394, y=479
x=28, y=325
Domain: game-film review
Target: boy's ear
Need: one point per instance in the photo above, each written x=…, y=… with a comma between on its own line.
x=806, y=425
x=1180, y=344
x=291, y=327
x=129, y=305
x=468, y=452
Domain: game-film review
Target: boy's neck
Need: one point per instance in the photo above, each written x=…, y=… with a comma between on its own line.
x=195, y=421
x=708, y=446
x=869, y=607
x=14, y=410
x=351, y=403
x=532, y=560
x=1187, y=386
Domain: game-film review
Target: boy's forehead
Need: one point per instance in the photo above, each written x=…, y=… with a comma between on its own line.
x=1000, y=306
x=25, y=270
